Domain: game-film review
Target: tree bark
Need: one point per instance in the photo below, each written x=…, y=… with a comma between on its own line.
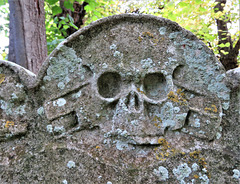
x=228, y=60
x=27, y=45
x=78, y=15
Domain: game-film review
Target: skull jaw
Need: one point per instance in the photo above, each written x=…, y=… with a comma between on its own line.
x=139, y=128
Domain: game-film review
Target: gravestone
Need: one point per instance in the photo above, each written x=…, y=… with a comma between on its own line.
x=127, y=99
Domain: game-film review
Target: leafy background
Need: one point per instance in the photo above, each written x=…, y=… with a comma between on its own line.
x=197, y=16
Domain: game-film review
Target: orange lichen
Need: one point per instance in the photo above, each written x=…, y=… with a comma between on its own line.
x=9, y=123
x=202, y=162
x=163, y=142
x=147, y=34
x=2, y=78
x=164, y=150
x=140, y=39
x=194, y=154
x=213, y=108
x=209, y=175
x=207, y=109
x=179, y=90
x=156, y=125
x=155, y=40
x=178, y=98
x=196, y=176
x=171, y=95
x=156, y=118
x=139, y=90
x=157, y=121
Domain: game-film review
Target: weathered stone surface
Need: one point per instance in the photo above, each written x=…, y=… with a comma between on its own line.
x=128, y=99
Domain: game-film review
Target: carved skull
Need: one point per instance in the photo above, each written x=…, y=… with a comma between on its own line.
x=139, y=101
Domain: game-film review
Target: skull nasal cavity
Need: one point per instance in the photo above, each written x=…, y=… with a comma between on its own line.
x=132, y=101
x=155, y=86
x=109, y=84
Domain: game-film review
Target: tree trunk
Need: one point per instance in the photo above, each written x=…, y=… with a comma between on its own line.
x=27, y=45
x=228, y=55
x=78, y=15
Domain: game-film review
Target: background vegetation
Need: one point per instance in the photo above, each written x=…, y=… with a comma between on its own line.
x=214, y=22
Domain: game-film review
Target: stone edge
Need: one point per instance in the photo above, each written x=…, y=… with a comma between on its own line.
x=31, y=80
x=27, y=77
x=109, y=20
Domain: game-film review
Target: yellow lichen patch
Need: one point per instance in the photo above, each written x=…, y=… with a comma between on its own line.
x=2, y=78
x=213, y=108
x=155, y=40
x=156, y=125
x=172, y=96
x=148, y=34
x=179, y=91
x=140, y=39
x=207, y=109
x=139, y=90
x=97, y=147
x=157, y=121
x=194, y=154
x=209, y=175
x=156, y=118
x=196, y=176
x=164, y=151
x=163, y=142
x=178, y=98
x=202, y=162
x=9, y=124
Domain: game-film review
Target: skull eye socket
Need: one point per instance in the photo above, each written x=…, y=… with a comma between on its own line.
x=155, y=86
x=179, y=72
x=109, y=84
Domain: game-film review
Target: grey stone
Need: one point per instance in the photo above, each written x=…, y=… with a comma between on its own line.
x=127, y=99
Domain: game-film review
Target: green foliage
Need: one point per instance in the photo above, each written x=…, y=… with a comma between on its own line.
x=56, y=10
x=69, y=5
x=53, y=33
x=224, y=45
x=3, y=2
x=56, y=27
x=197, y=16
x=52, y=2
x=4, y=14
x=99, y=9
x=4, y=30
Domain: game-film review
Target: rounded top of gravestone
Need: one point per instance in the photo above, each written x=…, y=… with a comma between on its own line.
x=147, y=69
